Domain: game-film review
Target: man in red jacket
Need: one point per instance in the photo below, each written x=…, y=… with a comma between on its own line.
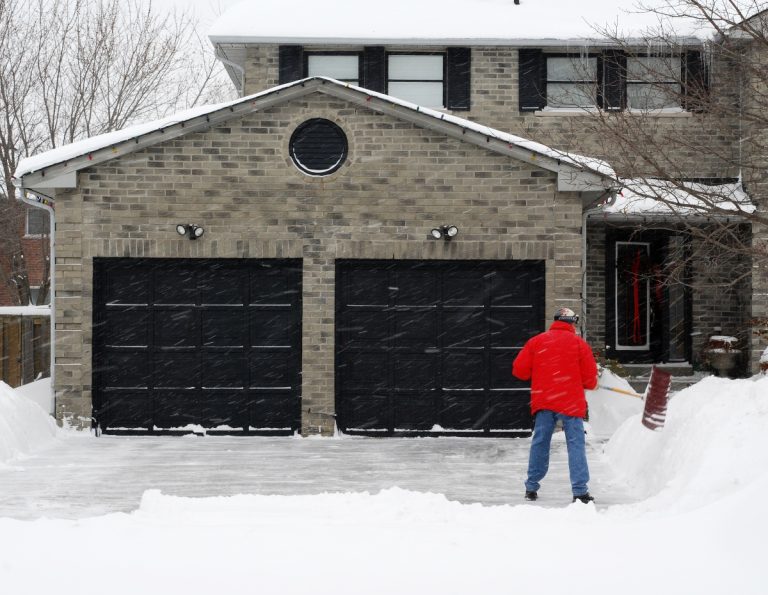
x=560, y=365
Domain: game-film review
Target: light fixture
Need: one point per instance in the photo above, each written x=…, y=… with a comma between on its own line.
x=190, y=230
x=447, y=232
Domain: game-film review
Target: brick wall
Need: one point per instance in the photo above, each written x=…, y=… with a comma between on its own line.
x=238, y=182
x=703, y=146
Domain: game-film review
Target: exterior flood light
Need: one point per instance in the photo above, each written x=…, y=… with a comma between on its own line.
x=190, y=230
x=447, y=232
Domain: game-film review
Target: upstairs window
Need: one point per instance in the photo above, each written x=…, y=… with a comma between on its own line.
x=418, y=78
x=571, y=82
x=653, y=83
x=342, y=67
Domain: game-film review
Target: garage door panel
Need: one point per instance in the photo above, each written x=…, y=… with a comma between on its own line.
x=464, y=370
x=366, y=411
x=176, y=327
x=223, y=408
x=416, y=288
x=269, y=285
x=124, y=369
x=220, y=286
x=501, y=370
x=414, y=411
x=363, y=326
x=272, y=327
x=125, y=327
x=128, y=410
x=464, y=287
x=465, y=327
x=176, y=408
x=176, y=285
x=196, y=341
x=365, y=288
x=510, y=411
x=270, y=369
x=415, y=371
x=416, y=327
x=513, y=288
x=463, y=411
x=173, y=369
x=512, y=327
x=224, y=327
x=272, y=411
x=223, y=369
x=360, y=370
x=126, y=286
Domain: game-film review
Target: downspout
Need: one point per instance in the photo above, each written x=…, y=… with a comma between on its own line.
x=220, y=56
x=43, y=202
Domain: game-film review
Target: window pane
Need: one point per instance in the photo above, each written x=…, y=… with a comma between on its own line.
x=647, y=96
x=37, y=222
x=650, y=69
x=416, y=68
x=426, y=94
x=570, y=95
x=571, y=69
x=343, y=68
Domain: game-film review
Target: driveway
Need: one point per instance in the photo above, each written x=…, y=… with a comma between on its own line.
x=82, y=476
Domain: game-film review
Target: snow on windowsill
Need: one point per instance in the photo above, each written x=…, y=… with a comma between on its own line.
x=25, y=311
x=585, y=111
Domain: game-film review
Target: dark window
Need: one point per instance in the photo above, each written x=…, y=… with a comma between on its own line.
x=37, y=222
x=318, y=147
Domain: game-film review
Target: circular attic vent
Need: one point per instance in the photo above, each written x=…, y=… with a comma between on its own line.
x=318, y=147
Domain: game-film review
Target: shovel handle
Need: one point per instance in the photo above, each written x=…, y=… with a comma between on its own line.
x=622, y=391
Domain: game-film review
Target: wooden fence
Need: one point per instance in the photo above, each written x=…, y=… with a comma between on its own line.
x=24, y=348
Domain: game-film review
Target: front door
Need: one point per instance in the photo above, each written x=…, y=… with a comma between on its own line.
x=647, y=312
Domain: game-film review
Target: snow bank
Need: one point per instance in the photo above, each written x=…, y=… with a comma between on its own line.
x=40, y=392
x=24, y=426
x=714, y=442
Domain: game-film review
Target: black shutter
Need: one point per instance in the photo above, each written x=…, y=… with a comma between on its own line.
x=458, y=78
x=375, y=69
x=695, y=81
x=532, y=82
x=291, y=60
x=614, y=80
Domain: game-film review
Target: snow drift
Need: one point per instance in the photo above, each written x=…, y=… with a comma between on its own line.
x=714, y=442
x=24, y=426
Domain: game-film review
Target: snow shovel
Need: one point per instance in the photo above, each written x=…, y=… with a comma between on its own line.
x=657, y=394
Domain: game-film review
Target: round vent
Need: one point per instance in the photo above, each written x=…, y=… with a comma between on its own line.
x=318, y=147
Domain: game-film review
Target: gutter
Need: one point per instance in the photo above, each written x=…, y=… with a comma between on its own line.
x=47, y=204
x=220, y=56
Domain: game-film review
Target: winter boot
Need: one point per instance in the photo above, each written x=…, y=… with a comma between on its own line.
x=585, y=498
x=532, y=496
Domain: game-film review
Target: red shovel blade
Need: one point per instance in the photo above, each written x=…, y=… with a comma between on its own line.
x=655, y=411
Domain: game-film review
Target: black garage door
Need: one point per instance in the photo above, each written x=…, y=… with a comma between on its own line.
x=183, y=343
x=428, y=346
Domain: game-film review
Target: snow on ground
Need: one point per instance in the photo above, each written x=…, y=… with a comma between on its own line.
x=24, y=426
x=696, y=525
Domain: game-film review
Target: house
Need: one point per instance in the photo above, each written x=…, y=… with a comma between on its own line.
x=366, y=237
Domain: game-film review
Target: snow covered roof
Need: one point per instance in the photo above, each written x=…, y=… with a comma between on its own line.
x=652, y=197
x=97, y=149
x=498, y=22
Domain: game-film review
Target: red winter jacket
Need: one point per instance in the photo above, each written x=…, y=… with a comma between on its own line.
x=561, y=365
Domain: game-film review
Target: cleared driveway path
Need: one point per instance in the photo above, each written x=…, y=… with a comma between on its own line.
x=83, y=476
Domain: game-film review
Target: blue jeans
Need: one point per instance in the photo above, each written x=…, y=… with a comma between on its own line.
x=538, y=463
